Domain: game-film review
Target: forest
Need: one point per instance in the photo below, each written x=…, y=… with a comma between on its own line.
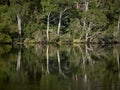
x=60, y=21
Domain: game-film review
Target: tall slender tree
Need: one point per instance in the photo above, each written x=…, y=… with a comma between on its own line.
x=48, y=9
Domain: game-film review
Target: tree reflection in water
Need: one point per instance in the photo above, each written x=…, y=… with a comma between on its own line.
x=77, y=67
x=19, y=58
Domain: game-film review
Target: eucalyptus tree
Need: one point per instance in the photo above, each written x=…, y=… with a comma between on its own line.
x=18, y=10
x=25, y=12
x=114, y=16
x=93, y=20
x=62, y=7
x=112, y=12
x=95, y=17
x=18, y=7
x=48, y=9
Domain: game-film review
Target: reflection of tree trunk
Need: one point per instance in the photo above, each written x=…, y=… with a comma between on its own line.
x=19, y=26
x=85, y=77
x=59, y=64
x=118, y=60
x=116, y=52
x=84, y=70
x=19, y=59
x=83, y=64
x=47, y=56
x=88, y=55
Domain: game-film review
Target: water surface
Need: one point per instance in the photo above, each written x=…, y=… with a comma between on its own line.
x=67, y=67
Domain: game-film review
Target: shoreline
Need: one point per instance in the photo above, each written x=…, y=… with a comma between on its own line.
x=59, y=43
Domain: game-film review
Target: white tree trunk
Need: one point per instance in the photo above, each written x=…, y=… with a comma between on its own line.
x=118, y=30
x=85, y=25
x=77, y=5
x=88, y=31
x=60, y=20
x=59, y=24
x=19, y=25
x=48, y=26
x=86, y=5
x=19, y=60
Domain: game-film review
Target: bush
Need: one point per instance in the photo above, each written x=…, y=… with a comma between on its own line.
x=5, y=38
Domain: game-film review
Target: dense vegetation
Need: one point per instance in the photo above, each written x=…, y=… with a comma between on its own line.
x=60, y=20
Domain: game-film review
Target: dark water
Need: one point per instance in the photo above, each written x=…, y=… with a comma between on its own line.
x=67, y=67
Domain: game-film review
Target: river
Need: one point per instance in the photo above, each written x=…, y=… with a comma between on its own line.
x=65, y=67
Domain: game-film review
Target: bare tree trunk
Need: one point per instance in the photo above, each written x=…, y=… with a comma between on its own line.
x=47, y=56
x=84, y=22
x=88, y=28
x=59, y=24
x=86, y=37
x=60, y=20
x=77, y=5
x=48, y=26
x=88, y=31
x=19, y=26
x=85, y=26
x=118, y=30
x=19, y=60
x=98, y=4
x=86, y=5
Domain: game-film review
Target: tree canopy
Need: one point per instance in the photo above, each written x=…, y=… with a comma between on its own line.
x=60, y=20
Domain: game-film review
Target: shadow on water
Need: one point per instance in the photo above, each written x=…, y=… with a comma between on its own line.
x=67, y=67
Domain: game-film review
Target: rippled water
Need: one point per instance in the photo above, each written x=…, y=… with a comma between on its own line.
x=67, y=67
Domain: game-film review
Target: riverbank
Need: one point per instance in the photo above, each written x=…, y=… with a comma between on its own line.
x=60, y=42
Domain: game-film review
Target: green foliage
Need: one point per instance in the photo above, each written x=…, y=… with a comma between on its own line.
x=5, y=38
x=7, y=25
x=33, y=13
